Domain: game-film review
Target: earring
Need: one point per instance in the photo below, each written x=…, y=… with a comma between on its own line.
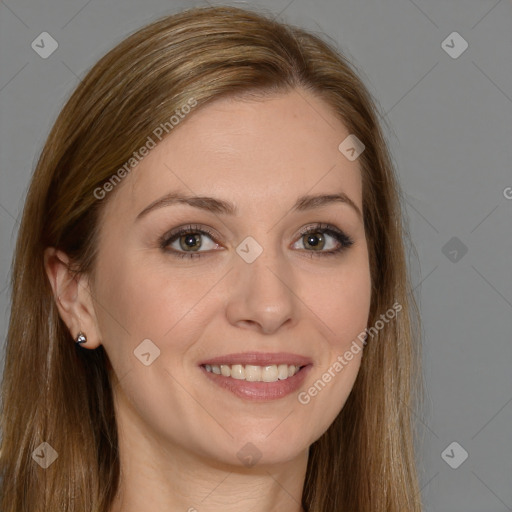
x=80, y=338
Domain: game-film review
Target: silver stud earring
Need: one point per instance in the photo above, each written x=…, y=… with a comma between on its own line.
x=80, y=338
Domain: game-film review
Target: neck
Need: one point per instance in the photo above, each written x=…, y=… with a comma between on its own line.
x=160, y=475
x=166, y=481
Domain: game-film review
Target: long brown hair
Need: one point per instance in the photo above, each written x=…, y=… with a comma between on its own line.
x=55, y=392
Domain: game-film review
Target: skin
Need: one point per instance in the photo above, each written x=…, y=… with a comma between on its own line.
x=179, y=433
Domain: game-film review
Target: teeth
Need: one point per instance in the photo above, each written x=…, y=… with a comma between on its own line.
x=252, y=373
x=282, y=372
x=236, y=371
x=269, y=373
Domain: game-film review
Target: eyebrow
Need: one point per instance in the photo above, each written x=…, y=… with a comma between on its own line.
x=220, y=206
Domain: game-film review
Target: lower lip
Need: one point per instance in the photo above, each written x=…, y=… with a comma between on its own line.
x=260, y=391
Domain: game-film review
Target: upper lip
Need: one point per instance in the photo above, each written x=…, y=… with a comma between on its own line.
x=259, y=359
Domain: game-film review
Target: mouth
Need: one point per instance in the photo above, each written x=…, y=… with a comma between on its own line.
x=258, y=376
x=254, y=373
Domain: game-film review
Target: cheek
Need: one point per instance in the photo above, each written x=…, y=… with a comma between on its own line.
x=326, y=394
x=132, y=307
x=342, y=307
x=343, y=310
x=140, y=299
x=340, y=302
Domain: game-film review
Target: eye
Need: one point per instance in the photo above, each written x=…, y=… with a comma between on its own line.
x=317, y=238
x=187, y=240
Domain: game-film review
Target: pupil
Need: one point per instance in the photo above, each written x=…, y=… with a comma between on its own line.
x=191, y=240
x=314, y=240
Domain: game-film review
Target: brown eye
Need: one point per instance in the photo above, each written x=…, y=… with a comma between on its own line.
x=190, y=241
x=314, y=240
x=324, y=240
x=187, y=241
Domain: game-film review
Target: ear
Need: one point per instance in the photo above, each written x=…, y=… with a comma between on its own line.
x=73, y=297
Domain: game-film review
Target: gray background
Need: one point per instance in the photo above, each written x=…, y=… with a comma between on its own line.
x=449, y=125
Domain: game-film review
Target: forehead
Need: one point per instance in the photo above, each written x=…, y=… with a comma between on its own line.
x=258, y=153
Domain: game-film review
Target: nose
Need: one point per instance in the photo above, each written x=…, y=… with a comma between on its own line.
x=262, y=296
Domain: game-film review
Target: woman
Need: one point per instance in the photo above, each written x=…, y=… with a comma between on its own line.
x=272, y=368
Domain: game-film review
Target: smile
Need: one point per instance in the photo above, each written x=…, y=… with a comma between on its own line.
x=252, y=373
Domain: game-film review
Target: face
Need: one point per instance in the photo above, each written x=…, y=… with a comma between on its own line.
x=267, y=285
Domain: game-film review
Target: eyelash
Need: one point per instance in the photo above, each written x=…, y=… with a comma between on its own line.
x=343, y=239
